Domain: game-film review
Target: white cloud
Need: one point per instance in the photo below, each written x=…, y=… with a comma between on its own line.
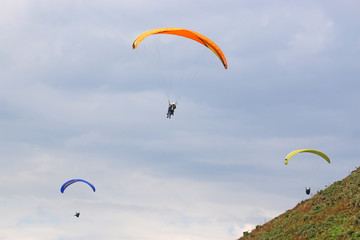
x=313, y=33
x=245, y=228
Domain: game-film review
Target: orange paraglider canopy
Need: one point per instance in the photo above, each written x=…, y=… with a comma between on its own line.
x=187, y=34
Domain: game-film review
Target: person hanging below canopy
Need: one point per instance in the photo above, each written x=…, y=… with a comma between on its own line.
x=171, y=109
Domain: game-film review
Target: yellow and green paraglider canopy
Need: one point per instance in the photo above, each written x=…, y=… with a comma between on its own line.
x=321, y=154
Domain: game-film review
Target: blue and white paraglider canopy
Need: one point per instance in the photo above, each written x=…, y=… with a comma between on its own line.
x=68, y=183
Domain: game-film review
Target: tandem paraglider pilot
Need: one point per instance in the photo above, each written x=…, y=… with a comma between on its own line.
x=171, y=109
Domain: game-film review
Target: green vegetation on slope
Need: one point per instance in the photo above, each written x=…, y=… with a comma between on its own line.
x=333, y=213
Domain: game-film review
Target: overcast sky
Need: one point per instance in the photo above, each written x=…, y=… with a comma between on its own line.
x=77, y=102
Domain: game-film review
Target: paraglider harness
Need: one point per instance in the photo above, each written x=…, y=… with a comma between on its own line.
x=171, y=109
x=77, y=214
x=307, y=190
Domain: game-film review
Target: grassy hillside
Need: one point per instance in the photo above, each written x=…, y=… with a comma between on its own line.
x=333, y=213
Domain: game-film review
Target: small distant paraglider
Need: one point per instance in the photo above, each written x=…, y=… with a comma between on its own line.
x=321, y=154
x=68, y=183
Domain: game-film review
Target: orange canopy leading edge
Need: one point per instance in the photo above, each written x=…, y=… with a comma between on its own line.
x=187, y=34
